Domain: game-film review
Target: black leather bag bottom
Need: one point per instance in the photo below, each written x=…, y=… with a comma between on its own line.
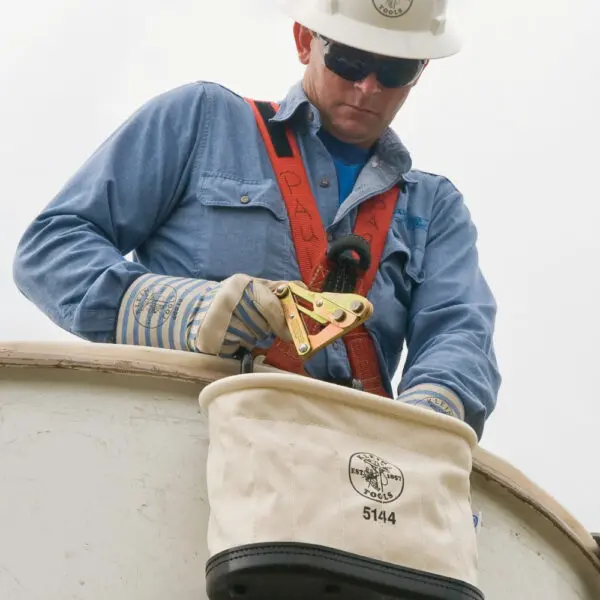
x=292, y=571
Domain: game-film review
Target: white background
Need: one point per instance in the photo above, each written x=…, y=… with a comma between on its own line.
x=512, y=121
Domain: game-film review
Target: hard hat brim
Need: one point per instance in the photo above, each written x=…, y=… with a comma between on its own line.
x=363, y=36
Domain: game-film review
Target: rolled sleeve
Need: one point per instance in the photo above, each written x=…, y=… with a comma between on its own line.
x=452, y=316
x=70, y=261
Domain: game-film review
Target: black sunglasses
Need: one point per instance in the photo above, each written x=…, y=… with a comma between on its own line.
x=355, y=65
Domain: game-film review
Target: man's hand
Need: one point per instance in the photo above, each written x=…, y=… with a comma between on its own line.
x=239, y=312
x=436, y=398
x=201, y=316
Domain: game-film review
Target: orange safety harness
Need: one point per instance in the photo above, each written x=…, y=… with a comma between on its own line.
x=310, y=242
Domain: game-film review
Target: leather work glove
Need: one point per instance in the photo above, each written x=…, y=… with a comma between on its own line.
x=238, y=312
x=201, y=316
x=437, y=398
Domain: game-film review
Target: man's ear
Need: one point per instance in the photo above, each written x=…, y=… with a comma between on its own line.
x=303, y=38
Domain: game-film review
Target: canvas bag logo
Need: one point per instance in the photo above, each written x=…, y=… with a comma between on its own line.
x=375, y=478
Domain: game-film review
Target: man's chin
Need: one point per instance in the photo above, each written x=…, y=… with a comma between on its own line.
x=357, y=138
x=353, y=113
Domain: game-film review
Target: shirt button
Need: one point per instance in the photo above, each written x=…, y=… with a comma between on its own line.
x=330, y=237
x=311, y=116
x=245, y=199
x=375, y=163
x=324, y=183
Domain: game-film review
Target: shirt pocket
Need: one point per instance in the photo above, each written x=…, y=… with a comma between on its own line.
x=402, y=263
x=244, y=228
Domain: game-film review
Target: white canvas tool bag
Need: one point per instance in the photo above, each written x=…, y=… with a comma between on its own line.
x=293, y=459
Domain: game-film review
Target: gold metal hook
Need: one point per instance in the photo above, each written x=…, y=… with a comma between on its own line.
x=338, y=313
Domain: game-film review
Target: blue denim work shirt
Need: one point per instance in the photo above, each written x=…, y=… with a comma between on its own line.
x=186, y=185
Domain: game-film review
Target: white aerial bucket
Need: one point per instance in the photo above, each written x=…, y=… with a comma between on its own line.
x=103, y=485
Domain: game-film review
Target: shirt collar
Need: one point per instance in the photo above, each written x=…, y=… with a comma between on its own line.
x=296, y=108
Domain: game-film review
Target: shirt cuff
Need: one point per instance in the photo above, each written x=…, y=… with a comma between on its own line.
x=160, y=311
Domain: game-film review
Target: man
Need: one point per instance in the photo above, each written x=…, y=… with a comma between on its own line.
x=191, y=184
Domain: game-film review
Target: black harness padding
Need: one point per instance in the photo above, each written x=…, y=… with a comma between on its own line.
x=278, y=135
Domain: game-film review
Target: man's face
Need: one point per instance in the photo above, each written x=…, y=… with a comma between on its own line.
x=355, y=112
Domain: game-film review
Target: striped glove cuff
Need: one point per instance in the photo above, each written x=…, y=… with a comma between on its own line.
x=435, y=397
x=157, y=311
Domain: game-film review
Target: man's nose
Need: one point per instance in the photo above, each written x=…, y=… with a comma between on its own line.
x=369, y=85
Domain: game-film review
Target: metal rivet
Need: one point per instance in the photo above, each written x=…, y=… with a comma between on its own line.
x=324, y=182
x=357, y=307
x=319, y=303
x=303, y=348
x=245, y=199
x=338, y=315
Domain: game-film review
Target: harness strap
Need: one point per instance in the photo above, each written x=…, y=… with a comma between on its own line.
x=310, y=241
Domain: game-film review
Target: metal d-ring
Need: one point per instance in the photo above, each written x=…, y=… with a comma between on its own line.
x=343, y=246
x=345, y=267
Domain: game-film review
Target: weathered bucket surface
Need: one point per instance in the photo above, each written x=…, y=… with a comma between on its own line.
x=103, y=485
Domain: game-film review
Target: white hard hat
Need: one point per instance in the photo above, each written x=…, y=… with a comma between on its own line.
x=397, y=28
